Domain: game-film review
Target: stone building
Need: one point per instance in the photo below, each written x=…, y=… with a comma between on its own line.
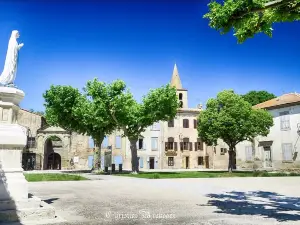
x=278, y=150
x=166, y=145
x=52, y=147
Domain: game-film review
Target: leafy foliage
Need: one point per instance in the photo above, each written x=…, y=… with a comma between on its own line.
x=256, y=97
x=249, y=17
x=80, y=112
x=132, y=117
x=232, y=119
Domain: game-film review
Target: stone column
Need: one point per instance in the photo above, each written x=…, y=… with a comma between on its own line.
x=13, y=186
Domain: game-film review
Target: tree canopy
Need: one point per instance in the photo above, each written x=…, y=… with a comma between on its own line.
x=249, y=17
x=132, y=117
x=232, y=119
x=72, y=110
x=256, y=97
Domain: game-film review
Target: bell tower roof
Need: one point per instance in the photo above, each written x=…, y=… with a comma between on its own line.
x=175, y=81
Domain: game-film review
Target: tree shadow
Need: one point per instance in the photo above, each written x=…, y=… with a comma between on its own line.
x=50, y=200
x=8, y=208
x=262, y=203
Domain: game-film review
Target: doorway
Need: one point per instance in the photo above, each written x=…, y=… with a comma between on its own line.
x=54, y=161
x=151, y=162
x=187, y=159
x=268, y=156
x=207, y=162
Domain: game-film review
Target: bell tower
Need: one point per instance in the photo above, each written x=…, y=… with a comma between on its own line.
x=181, y=93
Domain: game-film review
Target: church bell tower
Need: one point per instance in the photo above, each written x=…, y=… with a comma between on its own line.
x=181, y=93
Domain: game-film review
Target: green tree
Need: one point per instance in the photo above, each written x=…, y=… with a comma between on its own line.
x=249, y=17
x=232, y=119
x=132, y=117
x=72, y=110
x=256, y=97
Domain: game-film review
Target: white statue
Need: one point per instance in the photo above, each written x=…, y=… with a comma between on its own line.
x=9, y=72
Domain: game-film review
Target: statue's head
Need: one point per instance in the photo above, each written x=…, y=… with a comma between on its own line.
x=15, y=34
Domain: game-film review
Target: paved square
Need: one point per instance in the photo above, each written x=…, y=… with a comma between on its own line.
x=124, y=200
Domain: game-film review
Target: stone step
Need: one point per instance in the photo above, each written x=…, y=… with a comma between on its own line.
x=44, y=211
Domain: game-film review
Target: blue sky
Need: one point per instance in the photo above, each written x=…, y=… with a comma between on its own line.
x=139, y=42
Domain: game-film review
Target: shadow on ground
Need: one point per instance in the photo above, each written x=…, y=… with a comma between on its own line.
x=260, y=203
x=50, y=200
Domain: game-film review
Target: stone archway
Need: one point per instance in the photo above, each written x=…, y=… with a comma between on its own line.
x=55, y=141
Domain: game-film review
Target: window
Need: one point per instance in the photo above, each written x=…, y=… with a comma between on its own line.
x=180, y=96
x=154, y=143
x=223, y=151
x=140, y=143
x=199, y=144
x=171, y=123
x=141, y=162
x=170, y=161
x=185, y=123
x=105, y=142
x=195, y=124
x=31, y=143
x=287, y=152
x=171, y=145
x=200, y=161
x=91, y=143
x=155, y=126
x=118, y=141
x=284, y=120
x=248, y=152
x=186, y=145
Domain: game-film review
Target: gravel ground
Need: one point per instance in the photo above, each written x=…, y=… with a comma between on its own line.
x=212, y=201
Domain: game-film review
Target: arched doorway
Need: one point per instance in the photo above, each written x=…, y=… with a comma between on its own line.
x=52, y=149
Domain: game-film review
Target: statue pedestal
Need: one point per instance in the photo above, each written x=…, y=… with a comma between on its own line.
x=15, y=205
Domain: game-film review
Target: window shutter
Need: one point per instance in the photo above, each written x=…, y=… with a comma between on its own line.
x=141, y=162
x=191, y=146
x=166, y=146
x=181, y=146
x=201, y=145
x=196, y=146
x=175, y=146
x=144, y=144
x=187, y=123
x=195, y=124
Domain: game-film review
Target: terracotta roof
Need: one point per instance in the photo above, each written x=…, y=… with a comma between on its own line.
x=290, y=98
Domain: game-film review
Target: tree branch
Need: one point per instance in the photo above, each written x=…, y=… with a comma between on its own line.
x=268, y=5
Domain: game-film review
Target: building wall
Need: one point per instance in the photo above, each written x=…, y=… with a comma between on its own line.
x=178, y=132
x=31, y=120
x=278, y=137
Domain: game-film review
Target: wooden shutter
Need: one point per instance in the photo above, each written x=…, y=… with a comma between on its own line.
x=201, y=143
x=187, y=123
x=175, y=146
x=195, y=124
x=181, y=146
x=166, y=146
x=191, y=146
x=196, y=146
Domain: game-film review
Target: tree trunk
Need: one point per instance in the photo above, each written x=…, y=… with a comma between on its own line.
x=134, y=158
x=99, y=143
x=232, y=159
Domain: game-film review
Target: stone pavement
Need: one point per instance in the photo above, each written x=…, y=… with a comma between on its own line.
x=212, y=201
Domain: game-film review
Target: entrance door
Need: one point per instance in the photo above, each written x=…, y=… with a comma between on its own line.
x=90, y=161
x=207, y=162
x=187, y=162
x=54, y=162
x=268, y=156
x=151, y=162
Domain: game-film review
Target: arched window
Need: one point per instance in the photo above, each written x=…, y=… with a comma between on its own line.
x=180, y=96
